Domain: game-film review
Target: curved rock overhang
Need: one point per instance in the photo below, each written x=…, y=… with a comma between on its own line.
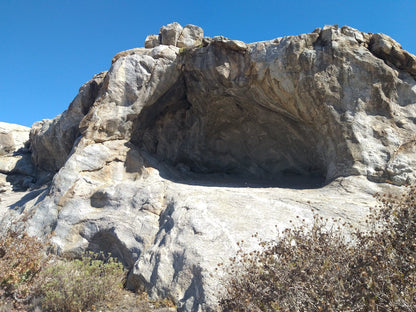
x=308, y=107
x=226, y=118
x=334, y=102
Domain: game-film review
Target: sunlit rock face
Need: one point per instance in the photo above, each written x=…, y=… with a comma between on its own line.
x=191, y=144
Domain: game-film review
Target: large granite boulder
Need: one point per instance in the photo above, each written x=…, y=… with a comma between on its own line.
x=170, y=34
x=191, y=36
x=12, y=138
x=173, y=34
x=17, y=171
x=185, y=147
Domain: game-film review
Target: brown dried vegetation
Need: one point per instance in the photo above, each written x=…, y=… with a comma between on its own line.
x=331, y=266
x=31, y=280
x=21, y=259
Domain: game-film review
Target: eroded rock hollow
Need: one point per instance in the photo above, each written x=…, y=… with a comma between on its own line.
x=202, y=126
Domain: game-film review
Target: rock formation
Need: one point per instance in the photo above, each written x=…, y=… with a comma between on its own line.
x=191, y=144
x=16, y=168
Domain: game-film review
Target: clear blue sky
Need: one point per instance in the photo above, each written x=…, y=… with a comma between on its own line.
x=49, y=48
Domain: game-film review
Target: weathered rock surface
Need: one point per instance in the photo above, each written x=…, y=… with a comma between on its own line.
x=173, y=34
x=191, y=144
x=16, y=168
x=389, y=50
x=191, y=36
x=52, y=140
x=12, y=137
x=151, y=41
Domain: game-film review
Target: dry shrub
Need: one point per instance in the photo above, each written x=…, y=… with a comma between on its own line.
x=32, y=281
x=28, y=276
x=80, y=284
x=332, y=267
x=21, y=259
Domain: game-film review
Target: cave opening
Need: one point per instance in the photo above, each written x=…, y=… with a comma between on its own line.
x=219, y=138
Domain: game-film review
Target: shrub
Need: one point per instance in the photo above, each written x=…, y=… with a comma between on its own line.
x=331, y=267
x=80, y=284
x=30, y=280
x=21, y=259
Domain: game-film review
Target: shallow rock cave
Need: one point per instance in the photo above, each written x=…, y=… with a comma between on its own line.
x=213, y=137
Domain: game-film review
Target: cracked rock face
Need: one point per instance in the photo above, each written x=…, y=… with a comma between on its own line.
x=191, y=144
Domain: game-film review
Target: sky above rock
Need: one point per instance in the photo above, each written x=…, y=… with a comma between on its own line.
x=50, y=48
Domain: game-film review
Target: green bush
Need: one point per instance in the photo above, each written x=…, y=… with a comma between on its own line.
x=332, y=267
x=80, y=284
